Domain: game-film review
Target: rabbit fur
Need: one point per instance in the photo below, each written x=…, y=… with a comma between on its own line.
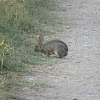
x=57, y=47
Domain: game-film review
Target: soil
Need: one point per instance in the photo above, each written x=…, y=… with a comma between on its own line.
x=77, y=76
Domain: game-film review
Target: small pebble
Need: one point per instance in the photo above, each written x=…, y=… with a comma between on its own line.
x=67, y=27
x=26, y=89
x=75, y=98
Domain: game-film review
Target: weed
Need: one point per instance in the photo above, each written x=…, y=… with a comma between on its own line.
x=43, y=85
x=13, y=97
x=20, y=22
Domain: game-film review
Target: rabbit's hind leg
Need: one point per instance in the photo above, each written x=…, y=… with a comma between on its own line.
x=60, y=56
x=60, y=53
x=57, y=54
x=47, y=53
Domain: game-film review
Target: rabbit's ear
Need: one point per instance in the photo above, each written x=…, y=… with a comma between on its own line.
x=41, y=38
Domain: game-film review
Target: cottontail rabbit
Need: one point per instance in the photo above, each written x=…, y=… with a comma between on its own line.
x=56, y=47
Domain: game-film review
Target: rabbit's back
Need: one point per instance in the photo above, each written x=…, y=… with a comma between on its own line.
x=55, y=46
x=54, y=43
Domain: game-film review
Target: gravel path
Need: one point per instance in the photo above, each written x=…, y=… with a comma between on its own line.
x=78, y=74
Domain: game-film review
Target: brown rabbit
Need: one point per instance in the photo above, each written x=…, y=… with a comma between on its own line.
x=56, y=47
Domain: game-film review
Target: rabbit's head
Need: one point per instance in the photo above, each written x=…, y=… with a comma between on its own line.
x=39, y=46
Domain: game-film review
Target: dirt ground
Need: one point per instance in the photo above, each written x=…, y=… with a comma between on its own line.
x=78, y=74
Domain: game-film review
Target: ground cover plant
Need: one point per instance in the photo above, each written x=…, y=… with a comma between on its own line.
x=20, y=23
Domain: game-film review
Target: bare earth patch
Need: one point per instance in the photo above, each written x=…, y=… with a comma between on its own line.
x=78, y=74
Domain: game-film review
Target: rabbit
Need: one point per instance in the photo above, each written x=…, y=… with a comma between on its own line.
x=57, y=47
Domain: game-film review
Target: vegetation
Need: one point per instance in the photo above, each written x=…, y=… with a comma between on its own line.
x=20, y=23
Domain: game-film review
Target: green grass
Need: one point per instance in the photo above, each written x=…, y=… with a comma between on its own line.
x=2, y=94
x=25, y=16
x=43, y=85
x=19, y=83
x=20, y=23
x=13, y=97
